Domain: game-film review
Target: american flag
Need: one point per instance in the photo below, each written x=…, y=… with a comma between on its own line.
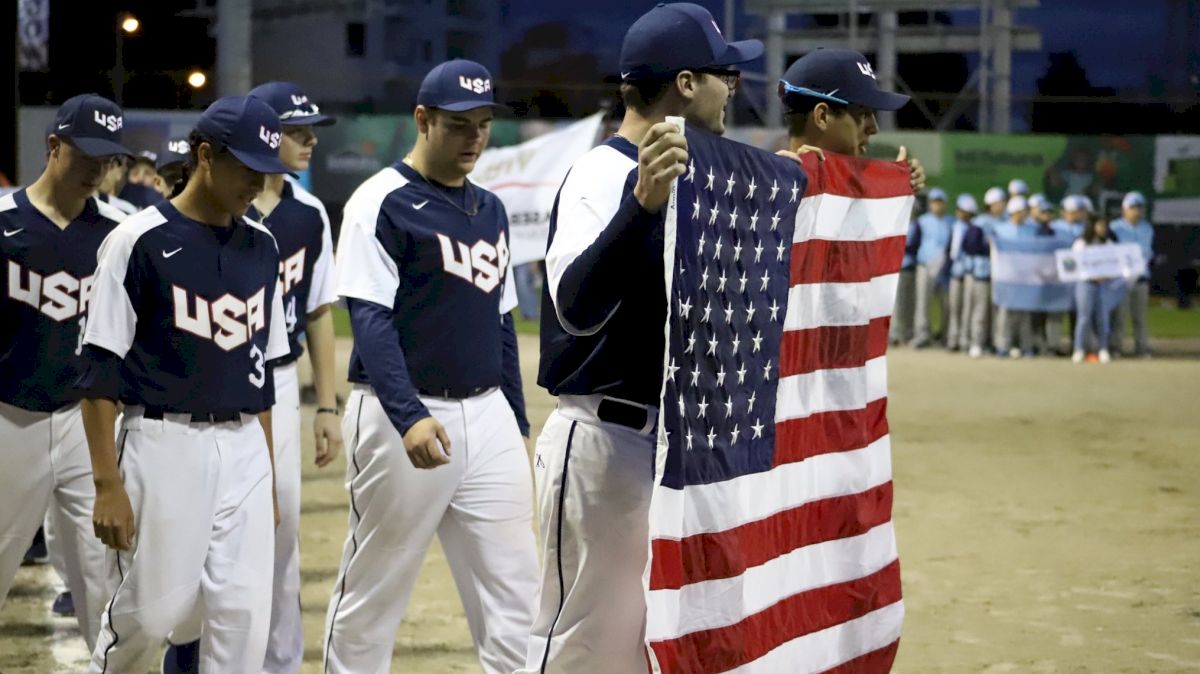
x=772, y=547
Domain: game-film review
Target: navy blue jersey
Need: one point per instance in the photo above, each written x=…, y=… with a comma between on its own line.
x=195, y=311
x=404, y=246
x=602, y=324
x=47, y=283
x=301, y=229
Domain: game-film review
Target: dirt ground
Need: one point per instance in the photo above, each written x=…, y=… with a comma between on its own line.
x=1048, y=518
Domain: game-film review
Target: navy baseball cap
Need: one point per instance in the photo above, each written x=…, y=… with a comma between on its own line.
x=92, y=123
x=291, y=104
x=173, y=151
x=837, y=75
x=680, y=36
x=457, y=86
x=249, y=128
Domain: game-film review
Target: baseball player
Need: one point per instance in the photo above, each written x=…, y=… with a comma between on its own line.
x=958, y=301
x=187, y=314
x=601, y=351
x=51, y=232
x=172, y=158
x=435, y=420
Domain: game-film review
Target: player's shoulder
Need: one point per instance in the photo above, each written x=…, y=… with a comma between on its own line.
x=601, y=172
x=8, y=203
x=375, y=190
x=302, y=195
x=108, y=214
x=128, y=233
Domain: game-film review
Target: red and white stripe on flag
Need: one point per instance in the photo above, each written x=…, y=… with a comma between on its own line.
x=795, y=569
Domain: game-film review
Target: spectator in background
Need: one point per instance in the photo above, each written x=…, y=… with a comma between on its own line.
x=935, y=227
x=1047, y=327
x=1018, y=188
x=111, y=185
x=978, y=289
x=1073, y=217
x=171, y=164
x=956, y=326
x=142, y=171
x=528, y=277
x=1133, y=228
x=1014, y=330
x=1090, y=296
x=901, y=331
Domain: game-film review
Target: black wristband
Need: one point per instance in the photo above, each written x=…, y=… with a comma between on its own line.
x=327, y=410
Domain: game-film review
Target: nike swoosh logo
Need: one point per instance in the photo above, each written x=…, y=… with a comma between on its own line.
x=420, y=205
x=625, y=75
x=13, y=232
x=166, y=254
x=63, y=126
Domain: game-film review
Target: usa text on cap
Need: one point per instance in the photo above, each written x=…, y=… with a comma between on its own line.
x=173, y=151
x=249, y=128
x=290, y=102
x=835, y=75
x=457, y=86
x=91, y=123
x=680, y=36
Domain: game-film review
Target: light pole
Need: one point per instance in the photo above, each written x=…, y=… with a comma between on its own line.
x=127, y=24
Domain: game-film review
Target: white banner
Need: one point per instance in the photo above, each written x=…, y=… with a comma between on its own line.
x=527, y=176
x=1121, y=260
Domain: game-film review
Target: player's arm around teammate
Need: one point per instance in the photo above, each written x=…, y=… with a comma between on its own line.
x=51, y=232
x=187, y=314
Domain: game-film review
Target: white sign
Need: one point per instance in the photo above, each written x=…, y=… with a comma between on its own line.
x=1121, y=260
x=527, y=176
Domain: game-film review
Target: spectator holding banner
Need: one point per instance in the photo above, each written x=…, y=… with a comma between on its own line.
x=1094, y=298
x=935, y=227
x=1047, y=326
x=1133, y=228
x=1014, y=330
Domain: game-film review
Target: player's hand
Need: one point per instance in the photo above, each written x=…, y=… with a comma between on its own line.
x=421, y=442
x=662, y=157
x=916, y=172
x=328, y=431
x=112, y=516
x=803, y=149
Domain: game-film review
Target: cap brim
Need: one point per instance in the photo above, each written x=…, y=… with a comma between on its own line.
x=310, y=120
x=882, y=100
x=467, y=105
x=158, y=166
x=260, y=163
x=98, y=147
x=742, y=51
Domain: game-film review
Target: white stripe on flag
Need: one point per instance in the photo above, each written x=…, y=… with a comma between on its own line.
x=727, y=601
x=844, y=389
x=720, y=506
x=838, y=218
x=819, y=305
x=824, y=650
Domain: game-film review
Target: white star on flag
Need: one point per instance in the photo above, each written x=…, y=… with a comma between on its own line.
x=729, y=185
x=691, y=176
x=751, y=187
x=742, y=280
x=766, y=278
x=758, y=429
x=774, y=310
x=696, y=209
x=750, y=401
x=671, y=370
x=750, y=313
x=711, y=178
x=758, y=250
x=795, y=191
x=741, y=373
x=775, y=222
x=703, y=407
x=707, y=312
x=757, y=339
x=774, y=190
x=728, y=407
x=733, y=218
x=685, y=308
x=711, y=436
x=712, y=217
x=733, y=435
x=753, y=219
x=721, y=282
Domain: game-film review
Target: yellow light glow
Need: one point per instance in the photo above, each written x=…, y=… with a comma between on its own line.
x=197, y=79
x=130, y=24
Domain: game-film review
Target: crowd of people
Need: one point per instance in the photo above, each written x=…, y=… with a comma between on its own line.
x=948, y=263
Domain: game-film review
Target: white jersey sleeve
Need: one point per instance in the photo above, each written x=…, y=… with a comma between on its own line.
x=112, y=315
x=508, y=301
x=277, y=338
x=364, y=268
x=322, y=290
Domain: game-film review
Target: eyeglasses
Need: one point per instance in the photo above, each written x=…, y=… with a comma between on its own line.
x=731, y=78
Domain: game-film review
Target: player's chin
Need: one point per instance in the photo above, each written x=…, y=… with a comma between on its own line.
x=466, y=161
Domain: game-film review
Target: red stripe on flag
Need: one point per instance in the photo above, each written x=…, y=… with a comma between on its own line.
x=855, y=177
x=875, y=662
x=725, y=648
x=829, y=432
x=832, y=347
x=826, y=261
x=728, y=553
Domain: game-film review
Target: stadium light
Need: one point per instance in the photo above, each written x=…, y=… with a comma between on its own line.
x=130, y=24
x=197, y=79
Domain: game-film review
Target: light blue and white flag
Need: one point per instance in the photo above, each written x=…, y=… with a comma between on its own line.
x=1025, y=274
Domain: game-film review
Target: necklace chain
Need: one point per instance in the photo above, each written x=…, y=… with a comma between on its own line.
x=470, y=213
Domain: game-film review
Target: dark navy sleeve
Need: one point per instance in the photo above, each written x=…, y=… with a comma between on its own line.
x=378, y=346
x=594, y=282
x=511, y=385
x=913, y=242
x=101, y=376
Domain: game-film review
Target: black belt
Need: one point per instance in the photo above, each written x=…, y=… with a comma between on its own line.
x=197, y=417
x=454, y=393
x=622, y=413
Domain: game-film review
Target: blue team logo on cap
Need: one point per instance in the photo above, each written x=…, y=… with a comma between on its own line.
x=841, y=76
x=248, y=128
x=478, y=85
x=457, y=86
x=292, y=105
x=92, y=123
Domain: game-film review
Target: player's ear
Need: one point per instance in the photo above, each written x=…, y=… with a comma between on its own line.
x=53, y=142
x=685, y=84
x=423, y=116
x=821, y=115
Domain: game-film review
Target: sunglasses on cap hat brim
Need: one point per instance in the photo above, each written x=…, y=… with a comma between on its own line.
x=875, y=100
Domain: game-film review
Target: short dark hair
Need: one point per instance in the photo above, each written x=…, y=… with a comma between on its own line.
x=643, y=93
x=193, y=160
x=798, y=108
